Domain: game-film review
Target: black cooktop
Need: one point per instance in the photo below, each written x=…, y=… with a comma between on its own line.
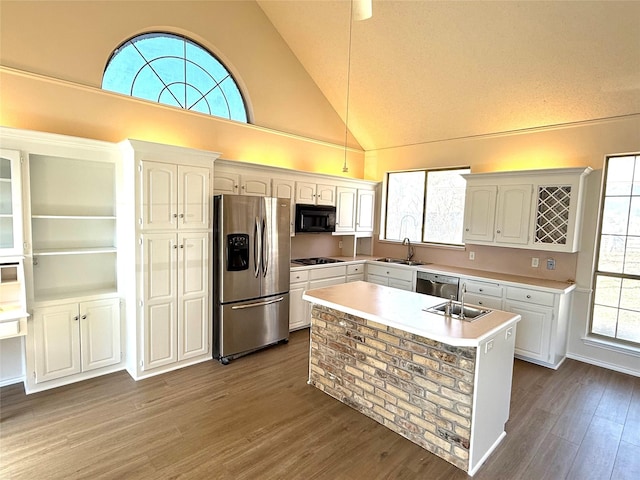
x=315, y=261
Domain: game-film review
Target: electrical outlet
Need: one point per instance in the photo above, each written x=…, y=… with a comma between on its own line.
x=472, y=255
x=340, y=244
x=488, y=346
x=535, y=262
x=551, y=264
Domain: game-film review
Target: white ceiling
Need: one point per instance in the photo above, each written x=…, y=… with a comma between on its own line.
x=423, y=71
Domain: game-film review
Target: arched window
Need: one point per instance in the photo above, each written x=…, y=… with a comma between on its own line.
x=173, y=70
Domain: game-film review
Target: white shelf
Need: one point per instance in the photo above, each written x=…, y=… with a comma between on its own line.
x=74, y=217
x=74, y=251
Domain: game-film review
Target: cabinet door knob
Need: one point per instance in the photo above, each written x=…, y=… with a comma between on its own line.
x=84, y=317
x=175, y=246
x=466, y=229
x=182, y=215
x=175, y=215
x=76, y=318
x=479, y=289
x=181, y=246
x=498, y=231
x=528, y=296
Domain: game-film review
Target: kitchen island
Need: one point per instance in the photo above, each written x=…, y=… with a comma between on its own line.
x=441, y=382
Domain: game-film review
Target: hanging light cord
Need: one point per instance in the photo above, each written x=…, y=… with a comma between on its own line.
x=345, y=168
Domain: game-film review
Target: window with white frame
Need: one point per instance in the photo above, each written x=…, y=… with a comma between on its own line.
x=616, y=280
x=176, y=71
x=426, y=205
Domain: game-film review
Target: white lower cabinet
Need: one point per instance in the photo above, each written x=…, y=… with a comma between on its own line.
x=534, y=329
x=391, y=276
x=485, y=294
x=308, y=279
x=298, y=308
x=355, y=272
x=175, y=297
x=76, y=337
x=541, y=334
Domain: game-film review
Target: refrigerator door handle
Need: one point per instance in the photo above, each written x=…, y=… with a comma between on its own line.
x=265, y=249
x=257, y=304
x=257, y=248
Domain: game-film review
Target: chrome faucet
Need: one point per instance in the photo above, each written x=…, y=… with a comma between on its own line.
x=407, y=242
x=463, y=290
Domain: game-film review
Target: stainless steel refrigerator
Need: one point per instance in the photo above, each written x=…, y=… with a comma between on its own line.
x=250, y=274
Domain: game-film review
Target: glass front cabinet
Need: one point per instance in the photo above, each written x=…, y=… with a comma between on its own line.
x=10, y=203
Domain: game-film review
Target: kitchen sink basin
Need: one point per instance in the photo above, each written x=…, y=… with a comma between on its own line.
x=471, y=313
x=400, y=261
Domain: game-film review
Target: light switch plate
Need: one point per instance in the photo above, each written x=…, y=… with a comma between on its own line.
x=472, y=255
x=535, y=262
x=551, y=264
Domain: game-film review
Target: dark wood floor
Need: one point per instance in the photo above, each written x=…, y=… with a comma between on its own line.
x=258, y=419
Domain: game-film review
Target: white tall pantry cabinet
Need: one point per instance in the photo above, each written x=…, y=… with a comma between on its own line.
x=168, y=234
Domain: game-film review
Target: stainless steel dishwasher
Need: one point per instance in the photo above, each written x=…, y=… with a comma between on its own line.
x=438, y=285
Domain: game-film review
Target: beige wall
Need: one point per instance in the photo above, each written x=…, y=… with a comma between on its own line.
x=55, y=54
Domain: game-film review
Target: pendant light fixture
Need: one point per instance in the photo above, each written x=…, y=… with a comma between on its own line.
x=360, y=10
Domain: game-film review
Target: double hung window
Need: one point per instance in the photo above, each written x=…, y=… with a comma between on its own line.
x=616, y=280
x=426, y=206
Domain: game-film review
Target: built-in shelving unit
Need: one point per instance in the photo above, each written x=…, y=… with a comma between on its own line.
x=73, y=227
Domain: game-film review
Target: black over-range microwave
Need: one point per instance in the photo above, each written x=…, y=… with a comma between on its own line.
x=315, y=218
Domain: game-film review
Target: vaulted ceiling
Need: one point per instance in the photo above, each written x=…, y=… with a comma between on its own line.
x=423, y=71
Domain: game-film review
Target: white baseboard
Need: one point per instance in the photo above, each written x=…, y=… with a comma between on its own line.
x=600, y=363
x=11, y=381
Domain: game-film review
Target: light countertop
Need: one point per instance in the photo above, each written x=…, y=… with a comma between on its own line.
x=404, y=310
x=552, y=286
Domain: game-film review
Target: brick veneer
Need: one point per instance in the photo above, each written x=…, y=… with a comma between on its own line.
x=417, y=387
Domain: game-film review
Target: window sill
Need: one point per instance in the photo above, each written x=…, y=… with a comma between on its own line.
x=421, y=244
x=611, y=346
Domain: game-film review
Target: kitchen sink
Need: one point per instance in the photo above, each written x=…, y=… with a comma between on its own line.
x=400, y=261
x=471, y=313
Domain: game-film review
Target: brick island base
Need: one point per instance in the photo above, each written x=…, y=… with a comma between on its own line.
x=422, y=389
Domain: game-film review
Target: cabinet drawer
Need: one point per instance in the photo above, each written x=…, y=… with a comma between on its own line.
x=385, y=271
x=355, y=269
x=530, y=296
x=328, y=272
x=298, y=276
x=487, y=302
x=401, y=284
x=327, y=282
x=482, y=288
x=13, y=328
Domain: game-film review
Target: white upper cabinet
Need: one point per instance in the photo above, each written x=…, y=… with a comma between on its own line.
x=365, y=219
x=255, y=185
x=512, y=216
x=10, y=203
x=315, y=194
x=284, y=188
x=346, y=209
x=535, y=209
x=354, y=199
x=174, y=196
x=354, y=210
x=480, y=213
x=225, y=182
x=230, y=181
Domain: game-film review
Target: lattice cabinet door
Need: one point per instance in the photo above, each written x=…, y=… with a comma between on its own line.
x=555, y=214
